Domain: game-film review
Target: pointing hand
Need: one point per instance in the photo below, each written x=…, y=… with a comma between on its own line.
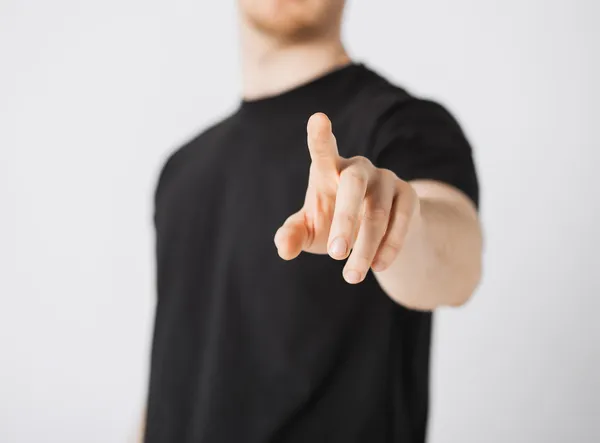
x=351, y=209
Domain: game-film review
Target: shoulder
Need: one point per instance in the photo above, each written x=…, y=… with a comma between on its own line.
x=181, y=155
x=397, y=107
x=417, y=121
x=417, y=138
x=385, y=111
x=377, y=96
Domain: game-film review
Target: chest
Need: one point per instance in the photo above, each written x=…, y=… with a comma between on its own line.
x=216, y=218
x=230, y=193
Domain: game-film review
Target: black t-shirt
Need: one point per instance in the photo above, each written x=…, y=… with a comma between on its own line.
x=250, y=348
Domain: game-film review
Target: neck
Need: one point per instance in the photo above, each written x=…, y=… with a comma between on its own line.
x=271, y=67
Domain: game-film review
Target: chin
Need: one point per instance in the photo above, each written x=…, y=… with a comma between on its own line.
x=292, y=19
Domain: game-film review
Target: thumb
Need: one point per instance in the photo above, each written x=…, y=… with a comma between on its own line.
x=292, y=236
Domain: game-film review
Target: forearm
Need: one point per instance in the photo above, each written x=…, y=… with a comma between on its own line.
x=439, y=263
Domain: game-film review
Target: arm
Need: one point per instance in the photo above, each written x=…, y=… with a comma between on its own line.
x=439, y=263
x=422, y=240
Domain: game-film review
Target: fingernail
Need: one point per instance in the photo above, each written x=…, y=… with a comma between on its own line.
x=276, y=237
x=338, y=247
x=352, y=276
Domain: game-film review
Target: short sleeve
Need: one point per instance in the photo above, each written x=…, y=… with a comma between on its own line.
x=420, y=139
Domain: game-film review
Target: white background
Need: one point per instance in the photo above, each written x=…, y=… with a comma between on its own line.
x=94, y=95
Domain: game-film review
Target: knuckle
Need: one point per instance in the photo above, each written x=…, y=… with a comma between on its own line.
x=356, y=175
x=392, y=247
x=361, y=161
x=401, y=218
x=388, y=174
x=376, y=214
x=381, y=263
x=361, y=261
x=406, y=189
x=346, y=217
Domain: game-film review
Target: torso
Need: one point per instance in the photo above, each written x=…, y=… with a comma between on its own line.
x=249, y=347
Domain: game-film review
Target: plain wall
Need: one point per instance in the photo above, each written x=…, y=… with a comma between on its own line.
x=94, y=95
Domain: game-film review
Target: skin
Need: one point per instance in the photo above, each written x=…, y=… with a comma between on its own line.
x=421, y=239
x=285, y=43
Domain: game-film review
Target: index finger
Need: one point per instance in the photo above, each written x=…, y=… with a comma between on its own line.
x=321, y=143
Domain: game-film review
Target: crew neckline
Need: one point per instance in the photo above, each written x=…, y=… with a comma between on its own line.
x=318, y=94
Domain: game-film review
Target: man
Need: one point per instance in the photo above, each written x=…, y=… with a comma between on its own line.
x=376, y=225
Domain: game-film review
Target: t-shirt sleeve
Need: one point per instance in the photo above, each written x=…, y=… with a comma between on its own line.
x=420, y=139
